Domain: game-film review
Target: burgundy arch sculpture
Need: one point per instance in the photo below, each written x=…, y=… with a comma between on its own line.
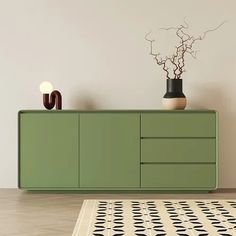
x=49, y=101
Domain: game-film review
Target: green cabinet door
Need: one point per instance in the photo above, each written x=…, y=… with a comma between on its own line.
x=48, y=150
x=109, y=150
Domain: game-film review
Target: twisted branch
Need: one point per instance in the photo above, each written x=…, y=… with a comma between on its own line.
x=159, y=61
x=185, y=47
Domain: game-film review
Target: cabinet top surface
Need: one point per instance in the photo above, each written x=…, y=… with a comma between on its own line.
x=118, y=111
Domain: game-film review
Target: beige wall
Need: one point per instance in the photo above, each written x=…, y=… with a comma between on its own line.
x=94, y=52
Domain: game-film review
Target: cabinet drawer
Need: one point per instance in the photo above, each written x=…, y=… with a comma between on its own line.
x=178, y=150
x=178, y=124
x=178, y=176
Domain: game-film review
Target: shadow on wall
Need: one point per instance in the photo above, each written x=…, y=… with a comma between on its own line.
x=215, y=98
x=84, y=102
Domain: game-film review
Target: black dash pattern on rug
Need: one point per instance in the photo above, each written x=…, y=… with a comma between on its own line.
x=146, y=219
x=164, y=217
x=109, y=219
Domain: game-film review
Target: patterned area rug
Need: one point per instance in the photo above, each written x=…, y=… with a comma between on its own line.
x=156, y=218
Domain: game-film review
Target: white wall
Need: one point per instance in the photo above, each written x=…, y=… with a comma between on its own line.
x=95, y=53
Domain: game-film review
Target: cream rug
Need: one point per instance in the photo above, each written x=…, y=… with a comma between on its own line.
x=156, y=218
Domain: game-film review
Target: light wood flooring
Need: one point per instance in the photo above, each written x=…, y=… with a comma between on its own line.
x=55, y=213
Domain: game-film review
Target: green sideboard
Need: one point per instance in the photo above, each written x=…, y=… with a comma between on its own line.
x=118, y=150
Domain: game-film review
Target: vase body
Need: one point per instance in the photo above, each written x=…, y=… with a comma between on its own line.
x=174, y=99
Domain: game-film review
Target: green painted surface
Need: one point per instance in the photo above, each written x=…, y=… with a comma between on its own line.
x=119, y=111
x=217, y=149
x=48, y=150
x=118, y=190
x=178, y=124
x=178, y=150
x=109, y=150
x=50, y=145
x=178, y=176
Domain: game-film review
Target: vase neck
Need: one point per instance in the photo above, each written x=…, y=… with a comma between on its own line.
x=174, y=88
x=174, y=85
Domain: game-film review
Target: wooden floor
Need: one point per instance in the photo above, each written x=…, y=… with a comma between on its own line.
x=55, y=214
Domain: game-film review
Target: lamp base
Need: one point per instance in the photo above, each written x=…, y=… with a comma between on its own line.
x=54, y=99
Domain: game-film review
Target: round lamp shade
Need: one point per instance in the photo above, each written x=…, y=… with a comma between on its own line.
x=46, y=87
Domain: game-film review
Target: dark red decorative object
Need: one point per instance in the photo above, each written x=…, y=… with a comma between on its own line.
x=49, y=101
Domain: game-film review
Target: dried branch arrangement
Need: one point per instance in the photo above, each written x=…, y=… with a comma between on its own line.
x=177, y=60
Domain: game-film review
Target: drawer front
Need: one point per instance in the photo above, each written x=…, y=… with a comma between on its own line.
x=178, y=150
x=178, y=124
x=174, y=176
